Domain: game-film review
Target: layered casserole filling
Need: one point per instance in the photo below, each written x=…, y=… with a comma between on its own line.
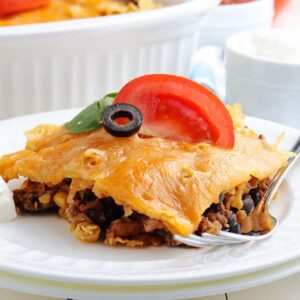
x=141, y=191
x=91, y=218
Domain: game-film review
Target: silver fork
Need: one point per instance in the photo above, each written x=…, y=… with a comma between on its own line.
x=227, y=238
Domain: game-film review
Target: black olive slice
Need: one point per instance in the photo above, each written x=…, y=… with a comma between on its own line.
x=122, y=110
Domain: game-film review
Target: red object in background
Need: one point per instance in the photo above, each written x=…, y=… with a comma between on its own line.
x=287, y=14
x=280, y=5
x=177, y=108
x=8, y=7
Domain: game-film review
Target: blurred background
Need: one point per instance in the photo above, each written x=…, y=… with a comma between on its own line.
x=61, y=54
x=251, y=55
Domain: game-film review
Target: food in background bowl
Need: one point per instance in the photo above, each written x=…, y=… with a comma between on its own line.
x=235, y=1
x=18, y=12
x=181, y=163
x=16, y=6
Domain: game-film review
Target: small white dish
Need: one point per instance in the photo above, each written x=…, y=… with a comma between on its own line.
x=41, y=257
x=266, y=85
x=226, y=20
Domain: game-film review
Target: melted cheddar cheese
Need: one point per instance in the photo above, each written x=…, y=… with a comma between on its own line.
x=174, y=182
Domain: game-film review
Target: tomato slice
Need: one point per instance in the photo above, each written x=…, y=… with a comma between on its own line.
x=177, y=108
x=8, y=7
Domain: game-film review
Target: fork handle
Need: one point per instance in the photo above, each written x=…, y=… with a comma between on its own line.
x=281, y=174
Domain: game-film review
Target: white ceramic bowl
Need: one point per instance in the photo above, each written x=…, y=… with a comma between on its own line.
x=226, y=20
x=266, y=87
x=69, y=64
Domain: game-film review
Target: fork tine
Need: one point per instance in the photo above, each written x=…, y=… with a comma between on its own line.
x=214, y=241
x=222, y=238
x=234, y=236
x=227, y=238
x=199, y=241
x=191, y=242
x=219, y=237
x=247, y=238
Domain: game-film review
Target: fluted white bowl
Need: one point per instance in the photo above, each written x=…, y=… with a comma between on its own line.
x=69, y=64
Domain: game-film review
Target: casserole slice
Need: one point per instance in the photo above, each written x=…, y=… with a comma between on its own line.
x=138, y=191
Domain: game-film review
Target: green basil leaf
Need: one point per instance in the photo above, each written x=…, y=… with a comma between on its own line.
x=90, y=117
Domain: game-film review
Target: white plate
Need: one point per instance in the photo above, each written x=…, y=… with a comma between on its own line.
x=41, y=247
x=177, y=291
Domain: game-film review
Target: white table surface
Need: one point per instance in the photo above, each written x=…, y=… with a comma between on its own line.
x=285, y=289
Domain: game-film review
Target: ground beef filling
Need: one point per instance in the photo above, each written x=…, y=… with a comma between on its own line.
x=38, y=197
x=93, y=219
x=114, y=227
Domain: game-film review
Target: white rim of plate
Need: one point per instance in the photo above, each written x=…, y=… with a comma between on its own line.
x=21, y=260
x=178, y=291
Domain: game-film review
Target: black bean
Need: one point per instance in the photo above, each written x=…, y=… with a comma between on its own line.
x=221, y=198
x=232, y=219
x=93, y=215
x=255, y=195
x=248, y=204
x=254, y=233
x=85, y=196
x=236, y=228
x=233, y=209
x=110, y=212
x=67, y=181
x=88, y=196
x=214, y=208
